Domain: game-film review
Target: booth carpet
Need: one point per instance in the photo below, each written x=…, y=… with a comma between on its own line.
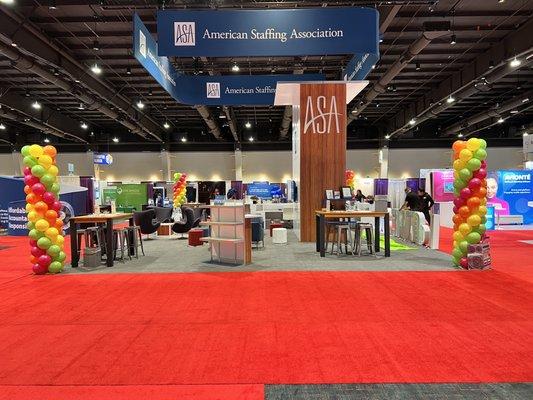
x=193, y=335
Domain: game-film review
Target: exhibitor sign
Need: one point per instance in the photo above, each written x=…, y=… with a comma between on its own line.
x=294, y=32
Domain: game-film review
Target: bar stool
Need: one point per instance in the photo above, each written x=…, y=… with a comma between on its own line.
x=347, y=231
x=135, y=235
x=121, y=241
x=360, y=228
x=331, y=227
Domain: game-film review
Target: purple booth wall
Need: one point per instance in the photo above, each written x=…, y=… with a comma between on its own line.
x=87, y=182
x=381, y=186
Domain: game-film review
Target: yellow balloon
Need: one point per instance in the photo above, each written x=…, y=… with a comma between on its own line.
x=459, y=165
x=42, y=225
x=53, y=170
x=59, y=240
x=455, y=244
x=473, y=144
x=36, y=150
x=29, y=207
x=473, y=220
x=34, y=216
x=483, y=201
x=482, y=209
x=51, y=233
x=45, y=161
x=458, y=236
x=465, y=155
x=465, y=229
x=456, y=175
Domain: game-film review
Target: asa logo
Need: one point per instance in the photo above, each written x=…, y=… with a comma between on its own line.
x=321, y=115
x=184, y=34
x=213, y=90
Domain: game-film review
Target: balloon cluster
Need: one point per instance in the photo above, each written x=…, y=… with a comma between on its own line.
x=179, y=198
x=349, y=176
x=42, y=208
x=470, y=189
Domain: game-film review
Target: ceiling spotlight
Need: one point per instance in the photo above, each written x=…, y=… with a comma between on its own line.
x=235, y=68
x=81, y=107
x=251, y=139
x=525, y=134
x=140, y=105
x=27, y=94
x=128, y=70
x=2, y=126
x=491, y=64
x=36, y=105
x=500, y=120
x=166, y=125
x=150, y=92
x=46, y=140
x=525, y=100
x=417, y=66
x=96, y=45
x=501, y=1
x=454, y=39
x=374, y=66
x=393, y=88
x=56, y=72
x=412, y=122
x=450, y=99
x=515, y=62
x=115, y=139
x=460, y=135
x=387, y=137
x=380, y=40
x=84, y=125
x=514, y=111
x=248, y=125
x=96, y=69
x=52, y=5
x=183, y=139
x=7, y=1
x=92, y=133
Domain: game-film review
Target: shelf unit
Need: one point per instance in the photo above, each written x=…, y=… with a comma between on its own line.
x=230, y=237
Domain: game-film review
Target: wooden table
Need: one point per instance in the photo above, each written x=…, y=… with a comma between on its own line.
x=323, y=215
x=107, y=219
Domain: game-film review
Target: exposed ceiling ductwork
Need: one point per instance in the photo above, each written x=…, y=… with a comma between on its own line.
x=287, y=114
x=232, y=122
x=209, y=120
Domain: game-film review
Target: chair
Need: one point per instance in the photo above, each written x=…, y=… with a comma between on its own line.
x=163, y=214
x=187, y=223
x=146, y=221
x=367, y=228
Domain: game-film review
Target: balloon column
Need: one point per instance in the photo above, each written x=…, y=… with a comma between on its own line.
x=42, y=207
x=180, y=186
x=470, y=189
x=349, y=175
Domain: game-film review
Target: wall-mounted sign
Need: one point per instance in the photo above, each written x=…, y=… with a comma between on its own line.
x=208, y=90
x=103, y=158
x=321, y=114
x=347, y=30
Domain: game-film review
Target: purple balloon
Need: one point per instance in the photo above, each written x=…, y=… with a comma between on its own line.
x=49, y=198
x=465, y=193
x=37, y=252
x=474, y=183
x=39, y=269
x=44, y=260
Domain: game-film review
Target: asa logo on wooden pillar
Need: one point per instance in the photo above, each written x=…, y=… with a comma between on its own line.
x=322, y=148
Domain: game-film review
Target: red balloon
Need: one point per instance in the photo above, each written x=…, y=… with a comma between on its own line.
x=27, y=171
x=474, y=183
x=464, y=263
x=480, y=173
x=37, y=252
x=458, y=202
x=465, y=193
x=44, y=260
x=39, y=269
x=33, y=243
x=455, y=209
x=32, y=198
x=49, y=198
x=484, y=164
x=38, y=189
x=30, y=180
x=56, y=206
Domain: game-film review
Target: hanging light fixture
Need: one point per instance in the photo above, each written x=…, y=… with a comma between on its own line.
x=515, y=62
x=128, y=70
x=36, y=105
x=140, y=104
x=454, y=39
x=96, y=69
x=235, y=68
x=2, y=126
x=84, y=125
x=247, y=125
x=450, y=99
x=115, y=139
x=166, y=125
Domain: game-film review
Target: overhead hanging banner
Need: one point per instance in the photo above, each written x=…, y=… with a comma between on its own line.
x=207, y=90
x=294, y=32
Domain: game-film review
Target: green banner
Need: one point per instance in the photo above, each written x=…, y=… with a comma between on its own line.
x=109, y=195
x=131, y=196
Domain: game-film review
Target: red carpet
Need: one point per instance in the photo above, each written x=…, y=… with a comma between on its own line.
x=127, y=334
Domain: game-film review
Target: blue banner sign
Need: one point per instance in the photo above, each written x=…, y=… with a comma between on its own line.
x=264, y=190
x=103, y=159
x=511, y=193
x=207, y=90
x=360, y=66
x=294, y=32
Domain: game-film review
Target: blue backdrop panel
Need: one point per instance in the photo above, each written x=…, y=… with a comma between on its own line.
x=347, y=30
x=515, y=190
x=11, y=189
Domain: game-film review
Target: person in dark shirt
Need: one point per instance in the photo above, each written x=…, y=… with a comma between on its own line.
x=359, y=196
x=426, y=202
x=412, y=201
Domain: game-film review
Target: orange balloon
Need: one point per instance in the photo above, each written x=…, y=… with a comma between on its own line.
x=33, y=259
x=457, y=219
x=456, y=227
x=473, y=202
x=50, y=151
x=464, y=211
x=457, y=146
x=50, y=214
x=59, y=225
x=27, y=189
x=41, y=207
x=482, y=192
x=484, y=183
x=32, y=198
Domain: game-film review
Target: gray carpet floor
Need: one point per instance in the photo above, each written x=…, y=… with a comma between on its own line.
x=170, y=254
x=452, y=391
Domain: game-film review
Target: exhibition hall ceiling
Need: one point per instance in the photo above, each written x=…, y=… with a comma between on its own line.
x=477, y=77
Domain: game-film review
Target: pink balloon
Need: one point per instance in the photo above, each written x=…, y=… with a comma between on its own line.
x=30, y=180
x=474, y=183
x=37, y=252
x=480, y=173
x=27, y=171
x=38, y=189
x=49, y=198
x=44, y=260
x=464, y=263
x=458, y=202
x=465, y=193
x=56, y=206
x=39, y=269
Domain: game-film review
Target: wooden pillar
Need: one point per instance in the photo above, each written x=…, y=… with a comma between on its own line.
x=322, y=144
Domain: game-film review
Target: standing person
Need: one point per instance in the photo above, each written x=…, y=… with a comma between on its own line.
x=359, y=196
x=412, y=201
x=426, y=202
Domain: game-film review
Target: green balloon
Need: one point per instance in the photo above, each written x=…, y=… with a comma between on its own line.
x=55, y=267
x=47, y=179
x=480, y=154
x=482, y=229
x=54, y=250
x=459, y=184
x=473, y=237
x=483, y=220
x=482, y=144
x=25, y=151
x=62, y=256
x=463, y=246
x=473, y=164
x=35, y=234
x=456, y=192
x=30, y=225
x=457, y=253
x=29, y=161
x=38, y=170
x=55, y=188
x=44, y=243
x=455, y=262
x=465, y=174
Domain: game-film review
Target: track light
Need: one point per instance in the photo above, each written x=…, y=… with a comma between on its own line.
x=248, y=125
x=96, y=45
x=140, y=104
x=450, y=99
x=128, y=70
x=52, y=5
x=96, y=69
x=500, y=120
x=235, y=68
x=46, y=140
x=460, y=135
x=81, y=107
x=36, y=105
x=412, y=122
x=183, y=139
x=251, y=139
x=115, y=139
x=387, y=137
x=150, y=92
x=84, y=125
x=454, y=39
x=417, y=66
x=166, y=125
x=2, y=126
x=491, y=64
x=515, y=62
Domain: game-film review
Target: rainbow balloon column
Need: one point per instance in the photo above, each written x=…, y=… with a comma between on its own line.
x=42, y=207
x=470, y=189
x=180, y=186
x=349, y=176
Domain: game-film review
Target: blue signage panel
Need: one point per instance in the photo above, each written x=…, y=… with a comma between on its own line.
x=103, y=158
x=264, y=190
x=360, y=66
x=293, y=32
x=208, y=90
x=511, y=193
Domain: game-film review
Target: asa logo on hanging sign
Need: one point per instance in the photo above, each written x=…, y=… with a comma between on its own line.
x=322, y=115
x=184, y=34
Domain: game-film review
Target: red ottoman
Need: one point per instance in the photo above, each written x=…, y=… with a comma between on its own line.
x=275, y=225
x=194, y=237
